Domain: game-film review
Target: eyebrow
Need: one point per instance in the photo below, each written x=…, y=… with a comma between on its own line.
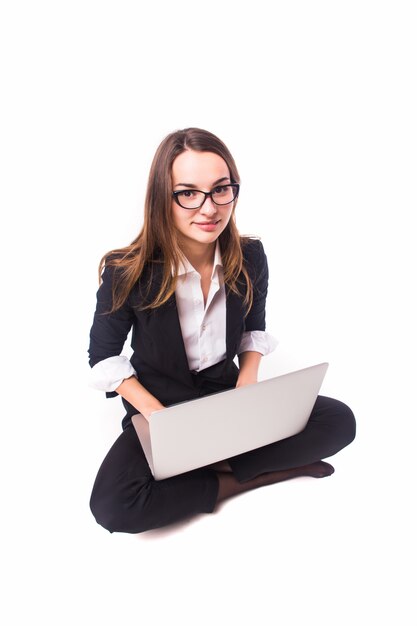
x=216, y=182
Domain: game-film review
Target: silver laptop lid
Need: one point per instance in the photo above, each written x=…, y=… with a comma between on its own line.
x=200, y=432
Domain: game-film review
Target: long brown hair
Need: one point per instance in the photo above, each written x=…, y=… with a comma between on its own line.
x=158, y=244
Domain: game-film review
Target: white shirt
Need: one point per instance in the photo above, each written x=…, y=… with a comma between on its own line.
x=203, y=328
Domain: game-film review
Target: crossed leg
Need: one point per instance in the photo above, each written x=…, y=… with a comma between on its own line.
x=330, y=428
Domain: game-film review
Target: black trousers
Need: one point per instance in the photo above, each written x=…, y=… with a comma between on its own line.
x=126, y=498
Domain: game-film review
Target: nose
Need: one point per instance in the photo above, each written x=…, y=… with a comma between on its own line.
x=208, y=207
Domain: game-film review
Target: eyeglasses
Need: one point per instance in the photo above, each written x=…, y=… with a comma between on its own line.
x=194, y=198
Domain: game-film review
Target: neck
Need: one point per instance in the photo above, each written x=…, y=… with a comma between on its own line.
x=199, y=255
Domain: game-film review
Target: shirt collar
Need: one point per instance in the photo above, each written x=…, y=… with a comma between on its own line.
x=185, y=266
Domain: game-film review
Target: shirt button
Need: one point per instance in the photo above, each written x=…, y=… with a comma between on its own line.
x=197, y=301
x=203, y=327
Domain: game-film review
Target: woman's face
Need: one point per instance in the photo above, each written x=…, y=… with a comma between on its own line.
x=203, y=171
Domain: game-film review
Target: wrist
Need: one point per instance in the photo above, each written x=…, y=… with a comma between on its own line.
x=249, y=367
x=247, y=378
x=151, y=408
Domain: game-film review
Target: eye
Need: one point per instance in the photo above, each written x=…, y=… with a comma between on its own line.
x=222, y=190
x=186, y=194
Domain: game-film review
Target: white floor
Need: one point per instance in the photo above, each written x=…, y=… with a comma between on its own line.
x=328, y=552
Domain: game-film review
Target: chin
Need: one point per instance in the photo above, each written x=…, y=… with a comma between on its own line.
x=208, y=238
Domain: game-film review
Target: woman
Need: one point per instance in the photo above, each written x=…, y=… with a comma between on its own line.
x=193, y=292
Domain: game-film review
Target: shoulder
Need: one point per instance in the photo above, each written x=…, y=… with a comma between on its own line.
x=118, y=266
x=119, y=273
x=253, y=251
x=110, y=273
x=255, y=261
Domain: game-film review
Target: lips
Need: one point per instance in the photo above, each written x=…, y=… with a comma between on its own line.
x=213, y=223
x=207, y=226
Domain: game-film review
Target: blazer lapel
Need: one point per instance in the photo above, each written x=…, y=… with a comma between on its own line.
x=163, y=324
x=170, y=335
x=170, y=330
x=235, y=316
x=167, y=329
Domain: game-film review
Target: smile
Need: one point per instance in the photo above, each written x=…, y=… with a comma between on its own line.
x=206, y=223
x=207, y=226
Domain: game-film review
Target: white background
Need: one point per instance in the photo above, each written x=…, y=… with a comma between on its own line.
x=317, y=102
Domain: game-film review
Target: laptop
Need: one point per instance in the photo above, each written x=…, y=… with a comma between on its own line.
x=199, y=432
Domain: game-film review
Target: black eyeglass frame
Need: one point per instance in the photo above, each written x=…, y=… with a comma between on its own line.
x=235, y=186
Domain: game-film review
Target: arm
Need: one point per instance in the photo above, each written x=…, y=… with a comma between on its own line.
x=257, y=266
x=248, y=366
x=109, y=330
x=250, y=357
x=135, y=393
x=107, y=337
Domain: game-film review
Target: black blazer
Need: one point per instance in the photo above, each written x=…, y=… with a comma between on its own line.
x=159, y=356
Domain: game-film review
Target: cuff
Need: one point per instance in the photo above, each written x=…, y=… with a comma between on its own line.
x=108, y=374
x=257, y=341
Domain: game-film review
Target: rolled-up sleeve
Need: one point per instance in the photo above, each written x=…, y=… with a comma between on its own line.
x=257, y=341
x=108, y=374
